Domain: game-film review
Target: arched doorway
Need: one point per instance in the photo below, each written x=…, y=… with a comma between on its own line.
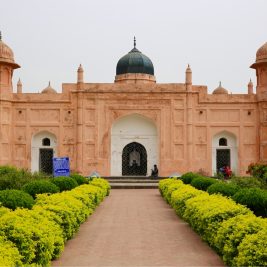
x=43, y=150
x=224, y=152
x=134, y=159
x=129, y=129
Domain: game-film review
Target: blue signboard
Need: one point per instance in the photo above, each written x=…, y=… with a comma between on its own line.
x=61, y=166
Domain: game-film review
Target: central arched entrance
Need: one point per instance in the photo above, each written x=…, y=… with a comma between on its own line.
x=134, y=134
x=134, y=159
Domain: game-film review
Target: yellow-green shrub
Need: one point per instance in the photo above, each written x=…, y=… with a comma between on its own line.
x=71, y=211
x=103, y=184
x=163, y=185
x=3, y=210
x=205, y=213
x=233, y=231
x=9, y=254
x=37, y=238
x=253, y=250
x=179, y=197
x=176, y=184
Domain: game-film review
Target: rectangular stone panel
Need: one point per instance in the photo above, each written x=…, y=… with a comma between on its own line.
x=250, y=151
x=264, y=152
x=263, y=133
x=178, y=115
x=68, y=116
x=20, y=115
x=68, y=151
x=249, y=115
x=5, y=133
x=5, y=115
x=45, y=115
x=178, y=103
x=178, y=134
x=20, y=152
x=5, y=151
x=219, y=115
x=249, y=135
x=90, y=151
x=178, y=152
x=68, y=135
x=90, y=116
x=200, y=115
x=200, y=134
x=89, y=133
x=201, y=152
x=20, y=133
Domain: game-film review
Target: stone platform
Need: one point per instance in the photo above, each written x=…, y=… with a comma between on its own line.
x=133, y=182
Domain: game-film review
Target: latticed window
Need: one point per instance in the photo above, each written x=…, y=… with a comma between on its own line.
x=223, y=142
x=46, y=142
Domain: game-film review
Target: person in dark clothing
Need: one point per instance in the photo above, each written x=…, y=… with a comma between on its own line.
x=155, y=172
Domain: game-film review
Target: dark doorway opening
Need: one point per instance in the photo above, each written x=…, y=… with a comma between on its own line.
x=223, y=158
x=46, y=160
x=134, y=160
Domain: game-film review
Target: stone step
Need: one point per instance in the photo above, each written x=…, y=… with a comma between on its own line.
x=109, y=178
x=129, y=181
x=133, y=185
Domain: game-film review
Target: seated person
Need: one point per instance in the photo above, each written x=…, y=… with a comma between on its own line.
x=155, y=171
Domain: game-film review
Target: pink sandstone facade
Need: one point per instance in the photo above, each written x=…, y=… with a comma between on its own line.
x=179, y=126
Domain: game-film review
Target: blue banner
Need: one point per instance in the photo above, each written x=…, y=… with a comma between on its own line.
x=61, y=166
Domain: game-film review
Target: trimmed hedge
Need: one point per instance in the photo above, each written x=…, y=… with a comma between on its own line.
x=225, y=189
x=188, y=177
x=79, y=178
x=38, y=239
x=253, y=250
x=202, y=183
x=39, y=234
x=230, y=228
x=179, y=197
x=39, y=187
x=9, y=254
x=103, y=184
x=253, y=198
x=64, y=183
x=233, y=231
x=13, y=199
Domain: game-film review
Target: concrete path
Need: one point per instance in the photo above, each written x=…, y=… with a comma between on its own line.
x=136, y=228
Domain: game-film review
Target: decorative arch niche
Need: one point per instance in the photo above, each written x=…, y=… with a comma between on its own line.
x=224, y=151
x=43, y=147
x=129, y=129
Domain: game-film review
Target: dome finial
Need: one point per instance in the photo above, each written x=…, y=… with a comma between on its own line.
x=0, y=36
x=134, y=42
x=220, y=84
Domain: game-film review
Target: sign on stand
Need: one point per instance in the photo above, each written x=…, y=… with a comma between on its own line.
x=61, y=166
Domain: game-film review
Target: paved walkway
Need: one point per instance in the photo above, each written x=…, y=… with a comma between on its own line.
x=136, y=228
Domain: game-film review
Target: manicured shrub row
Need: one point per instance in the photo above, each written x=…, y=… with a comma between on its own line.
x=13, y=178
x=230, y=228
x=244, y=190
x=15, y=198
x=39, y=187
x=64, y=183
x=39, y=234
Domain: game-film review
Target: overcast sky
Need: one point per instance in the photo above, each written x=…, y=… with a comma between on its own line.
x=51, y=38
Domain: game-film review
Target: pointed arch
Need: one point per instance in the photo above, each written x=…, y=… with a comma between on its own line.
x=224, y=151
x=43, y=148
x=133, y=128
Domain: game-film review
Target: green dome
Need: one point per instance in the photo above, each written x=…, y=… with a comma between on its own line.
x=135, y=62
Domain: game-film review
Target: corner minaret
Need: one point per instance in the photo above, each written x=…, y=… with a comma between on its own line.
x=250, y=87
x=188, y=78
x=7, y=66
x=261, y=71
x=80, y=77
x=19, y=87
